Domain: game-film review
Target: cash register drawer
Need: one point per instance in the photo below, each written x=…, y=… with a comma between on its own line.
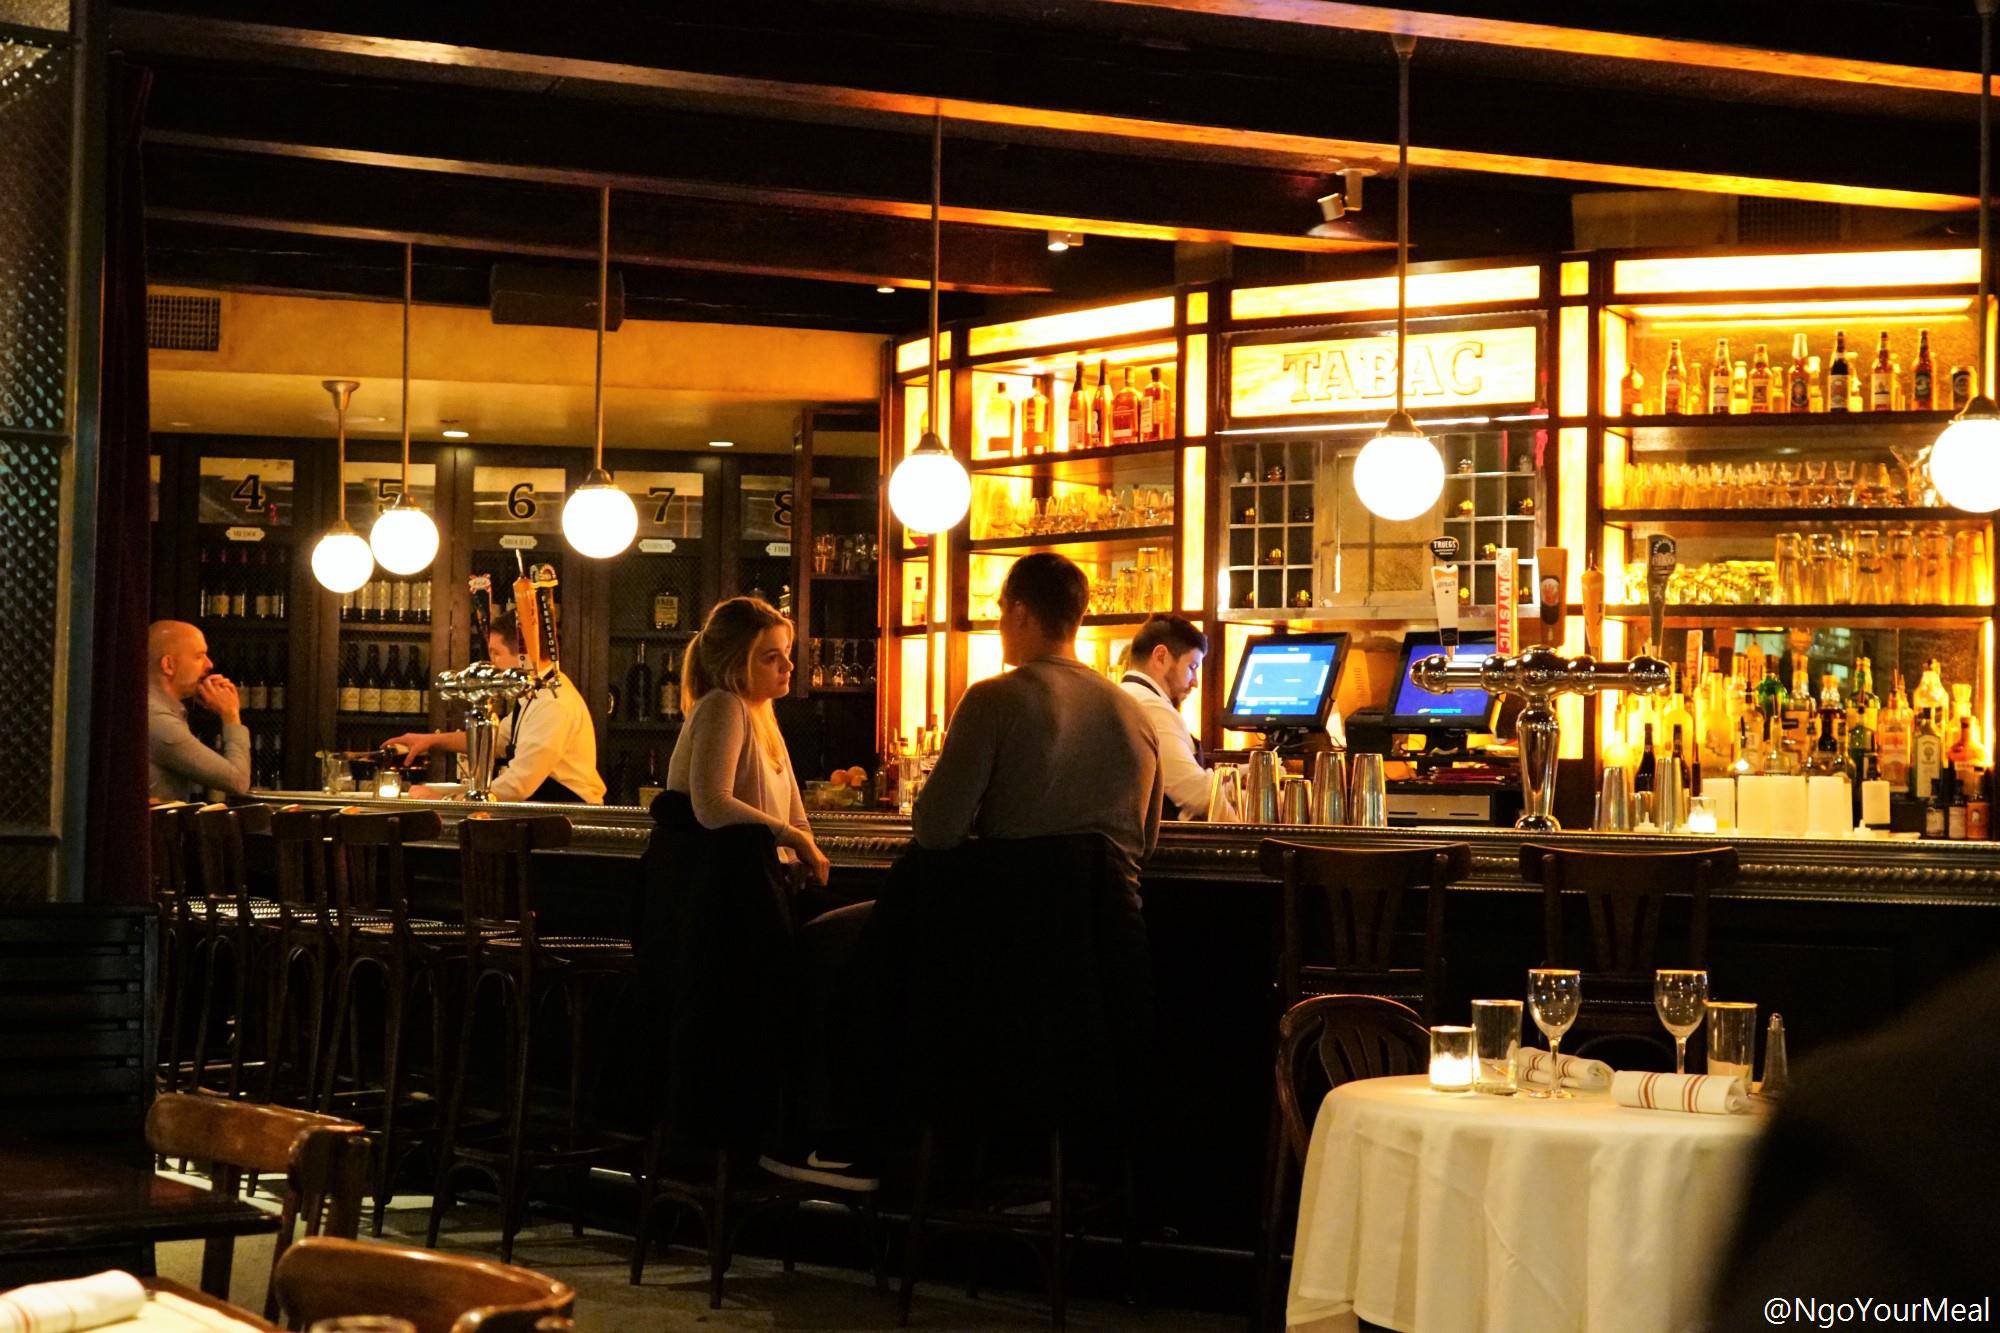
x=1409, y=808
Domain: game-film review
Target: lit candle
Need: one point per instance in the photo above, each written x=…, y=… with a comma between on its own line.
x=1451, y=1059
x=387, y=787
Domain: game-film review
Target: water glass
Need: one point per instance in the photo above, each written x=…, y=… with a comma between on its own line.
x=1681, y=997
x=1554, y=996
x=1496, y=1038
x=1732, y=1038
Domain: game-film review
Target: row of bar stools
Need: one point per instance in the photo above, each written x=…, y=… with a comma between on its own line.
x=505, y=948
x=170, y=831
x=228, y=925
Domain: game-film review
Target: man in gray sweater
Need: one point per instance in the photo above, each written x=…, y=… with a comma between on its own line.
x=1050, y=747
x=178, y=669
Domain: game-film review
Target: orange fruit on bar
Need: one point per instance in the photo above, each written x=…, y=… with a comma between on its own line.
x=857, y=777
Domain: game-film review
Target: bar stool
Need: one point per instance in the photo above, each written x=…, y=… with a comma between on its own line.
x=228, y=923
x=170, y=830
x=503, y=946
x=299, y=941
x=1625, y=895
x=374, y=931
x=1351, y=901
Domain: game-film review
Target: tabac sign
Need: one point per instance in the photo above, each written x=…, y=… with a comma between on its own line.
x=1323, y=376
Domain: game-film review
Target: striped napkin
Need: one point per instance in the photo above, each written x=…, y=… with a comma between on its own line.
x=61, y=1307
x=1712, y=1094
x=1583, y=1075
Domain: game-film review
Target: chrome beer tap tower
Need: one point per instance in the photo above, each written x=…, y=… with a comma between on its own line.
x=486, y=691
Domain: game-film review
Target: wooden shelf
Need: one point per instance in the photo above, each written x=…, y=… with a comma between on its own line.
x=869, y=577
x=652, y=635
x=1778, y=420
x=1104, y=538
x=403, y=629
x=1859, y=616
x=1491, y=518
x=1484, y=476
x=1109, y=453
x=242, y=625
x=1120, y=618
x=1793, y=516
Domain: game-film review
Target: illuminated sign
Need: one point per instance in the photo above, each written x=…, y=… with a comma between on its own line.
x=1468, y=367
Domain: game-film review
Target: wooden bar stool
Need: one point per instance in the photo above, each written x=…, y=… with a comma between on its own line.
x=171, y=832
x=503, y=946
x=322, y=1160
x=1626, y=895
x=375, y=933
x=299, y=942
x=1351, y=902
x=228, y=925
x=439, y=1293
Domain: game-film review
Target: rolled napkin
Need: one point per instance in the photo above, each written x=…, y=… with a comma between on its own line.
x=61, y=1307
x=1583, y=1075
x=1707, y=1093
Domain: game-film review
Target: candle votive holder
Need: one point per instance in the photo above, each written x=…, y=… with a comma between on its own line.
x=1496, y=1037
x=1451, y=1059
x=388, y=784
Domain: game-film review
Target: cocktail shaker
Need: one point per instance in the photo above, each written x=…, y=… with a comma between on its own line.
x=1329, y=785
x=1298, y=802
x=1368, y=793
x=1614, y=801
x=1261, y=799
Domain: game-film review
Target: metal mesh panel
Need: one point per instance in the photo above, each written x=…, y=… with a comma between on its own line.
x=27, y=873
x=183, y=323
x=49, y=14
x=1766, y=221
x=34, y=215
x=30, y=496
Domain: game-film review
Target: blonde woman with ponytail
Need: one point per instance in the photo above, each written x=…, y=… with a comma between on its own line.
x=730, y=761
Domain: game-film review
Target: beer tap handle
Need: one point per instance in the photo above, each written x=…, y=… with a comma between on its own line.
x=1661, y=556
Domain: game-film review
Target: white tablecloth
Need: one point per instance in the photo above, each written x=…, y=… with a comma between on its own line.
x=1449, y=1213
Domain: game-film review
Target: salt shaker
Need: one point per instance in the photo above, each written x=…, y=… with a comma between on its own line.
x=1777, y=1074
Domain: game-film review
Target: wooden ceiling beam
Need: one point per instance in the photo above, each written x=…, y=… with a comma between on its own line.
x=789, y=99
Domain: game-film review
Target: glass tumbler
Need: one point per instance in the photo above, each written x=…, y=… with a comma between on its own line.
x=1732, y=1038
x=1496, y=1037
x=1868, y=580
x=1788, y=556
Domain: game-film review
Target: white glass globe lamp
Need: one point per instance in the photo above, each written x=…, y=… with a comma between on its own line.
x=1399, y=474
x=929, y=491
x=598, y=519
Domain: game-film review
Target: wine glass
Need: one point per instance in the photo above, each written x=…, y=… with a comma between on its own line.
x=1554, y=995
x=1681, y=996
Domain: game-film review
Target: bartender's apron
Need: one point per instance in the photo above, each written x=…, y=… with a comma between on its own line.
x=550, y=790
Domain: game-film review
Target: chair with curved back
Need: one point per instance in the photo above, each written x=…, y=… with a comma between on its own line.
x=439, y=1293
x=299, y=947
x=1323, y=1042
x=1351, y=902
x=1626, y=896
x=505, y=946
x=170, y=830
x=322, y=1160
x=228, y=922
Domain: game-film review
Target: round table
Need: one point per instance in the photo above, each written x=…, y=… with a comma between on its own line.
x=1438, y=1212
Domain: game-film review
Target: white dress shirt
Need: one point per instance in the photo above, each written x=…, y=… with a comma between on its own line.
x=1186, y=780
x=551, y=737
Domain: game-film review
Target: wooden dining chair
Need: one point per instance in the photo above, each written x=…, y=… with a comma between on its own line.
x=1323, y=1042
x=439, y=1293
x=324, y=1162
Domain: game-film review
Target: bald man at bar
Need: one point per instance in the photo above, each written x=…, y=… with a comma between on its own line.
x=178, y=669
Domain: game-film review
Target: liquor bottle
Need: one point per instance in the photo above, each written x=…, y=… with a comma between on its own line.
x=256, y=693
x=1893, y=737
x=1125, y=410
x=420, y=600
x=371, y=681
x=350, y=681
x=392, y=683
x=1979, y=809
x=1739, y=388
x=1861, y=710
x=1760, y=381
x=667, y=706
x=1680, y=761
x=1926, y=755
x=1882, y=379
x=1644, y=777
x=1001, y=434
x=1955, y=815
x=1079, y=414
x=1961, y=713
x=1718, y=380
x=1164, y=425
x=347, y=611
x=1798, y=397
x=1632, y=392
x=1839, y=375
x=666, y=610
x=1035, y=419
x=1100, y=407
x=639, y=685
x=1930, y=695
x=919, y=610
x=1923, y=376
x=260, y=593
x=279, y=668
x=1749, y=748
x=1673, y=382
x=1937, y=804
x=1770, y=693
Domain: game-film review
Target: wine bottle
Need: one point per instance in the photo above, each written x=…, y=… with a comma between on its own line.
x=1760, y=380
x=1673, y=382
x=1079, y=415
x=399, y=601
x=256, y=691
x=204, y=584
x=278, y=672
x=420, y=683
x=1923, y=376
x=639, y=685
x=371, y=681
x=1882, y=380
x=1035, y=418
x=1644, y=776
x=392, y=682
x=350, y=681
x=668, y=705
x=1799, y=383
x=1718, y=380
x=1100, y=404
x=1839, y=375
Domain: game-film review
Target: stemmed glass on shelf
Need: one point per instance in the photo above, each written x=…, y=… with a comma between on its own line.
x=1554, y=996
x=1681, y=996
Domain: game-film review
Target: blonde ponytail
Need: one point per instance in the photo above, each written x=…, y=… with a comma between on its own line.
x=719, y=658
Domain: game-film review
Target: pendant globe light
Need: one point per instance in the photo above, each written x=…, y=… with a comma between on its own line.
x=599, y=520
x=1964, y=462
x=341, y=560
x=929, y=490
x=1399, y=474
x=404, y=539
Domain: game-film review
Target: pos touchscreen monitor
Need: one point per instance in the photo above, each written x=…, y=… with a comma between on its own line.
x=1286, y=682
x=1413, y=708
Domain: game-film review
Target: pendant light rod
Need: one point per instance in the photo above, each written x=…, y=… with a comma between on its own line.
x=408, y=266
x=1985, y=182
x=1404, y=43
x=937, y=246
x=342, y=391
x=603, y=282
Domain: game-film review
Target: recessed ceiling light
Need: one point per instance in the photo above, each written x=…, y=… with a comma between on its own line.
x=181, y=425
x=456, y=434
x=884, y=288
x=1060, y=241
x=722, y=444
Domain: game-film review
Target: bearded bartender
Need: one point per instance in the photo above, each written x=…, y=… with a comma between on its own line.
x=547, y=745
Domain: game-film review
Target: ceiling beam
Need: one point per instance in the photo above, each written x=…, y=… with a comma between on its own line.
x=790, y=99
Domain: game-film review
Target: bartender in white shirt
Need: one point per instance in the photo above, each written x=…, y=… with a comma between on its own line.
x=547, y=746
x=1160, y=672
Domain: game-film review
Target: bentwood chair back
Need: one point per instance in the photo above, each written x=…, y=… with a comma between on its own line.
x=301, y=945
x=323, y=1161
x=439, y=1293
x=496, y=859
x=371, y=879
x=1343, y=915
x=170, y=829
x=228, y=925
x=1324, y=1042
x=1627, y=896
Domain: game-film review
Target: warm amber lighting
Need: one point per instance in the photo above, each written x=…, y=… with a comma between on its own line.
x=1572, y=461
x=1194, y=390
x=1197, y=310
x=1075, y=326
x=1427, y=291
x=1573, y=392
x=1442, y=370
x=914, y=683
x=1063, y=364
x=1193, y=510
x=1877, y=310
x=916, y=355
x=1575, y=278
x=1781, y=273
x=916, y=411
x=1617, y=336
x=982, y=656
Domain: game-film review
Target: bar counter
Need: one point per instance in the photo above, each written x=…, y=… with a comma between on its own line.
x=1838, y=936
